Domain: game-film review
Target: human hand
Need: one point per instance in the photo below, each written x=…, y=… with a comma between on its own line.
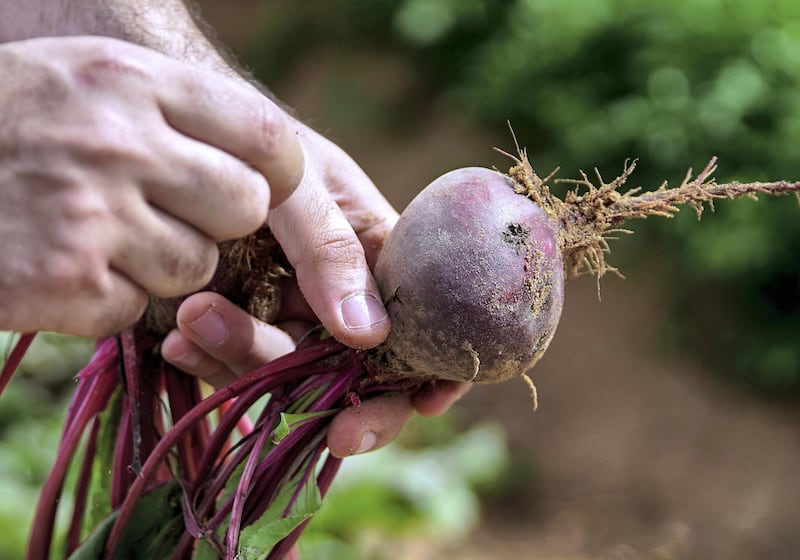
x=120, y=169
x=332, y=229
x=218, y=342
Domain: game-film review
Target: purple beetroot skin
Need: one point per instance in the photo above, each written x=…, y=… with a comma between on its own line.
x=473, y=281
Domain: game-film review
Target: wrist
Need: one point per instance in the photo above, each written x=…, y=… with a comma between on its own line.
x=167, y=26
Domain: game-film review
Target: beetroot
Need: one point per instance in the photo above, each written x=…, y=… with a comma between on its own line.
x=472, y=277
x=473, y=273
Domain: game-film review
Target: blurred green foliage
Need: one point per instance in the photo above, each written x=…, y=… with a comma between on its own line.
x=422, y=491
x=32, y=410
x=590, y=83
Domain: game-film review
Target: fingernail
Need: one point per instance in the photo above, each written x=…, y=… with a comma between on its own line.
x=211, y=327
x=188, y=360
x=368, y=441
x=181, y=352
x=361, y=311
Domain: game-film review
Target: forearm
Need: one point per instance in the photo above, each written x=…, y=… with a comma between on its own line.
x=168, y=26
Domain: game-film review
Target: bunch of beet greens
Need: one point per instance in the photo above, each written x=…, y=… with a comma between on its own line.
x=164, y=473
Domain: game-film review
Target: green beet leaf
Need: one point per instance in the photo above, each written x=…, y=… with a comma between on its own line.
x=152, y=532
x=258, y=539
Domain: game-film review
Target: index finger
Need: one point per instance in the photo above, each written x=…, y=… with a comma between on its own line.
x=370, y=215
x=236, y=118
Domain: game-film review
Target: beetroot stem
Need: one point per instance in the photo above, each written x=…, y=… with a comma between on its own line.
x=237, y=410
x=103, y=363
x=274, y=472
x=99, y=391
x=241, y=493
x=284, y=364
x=82, y=489
x=297, y=445
x=132, y=374
x=14, y=359
x=123, y=453
x=183, y=393
x=221, y=478
x=248, y=390
x=225, y=470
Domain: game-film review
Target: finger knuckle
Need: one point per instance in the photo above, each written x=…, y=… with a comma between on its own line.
x=252, y=215
x=118, y=147
x=77, y=272
x=185, y=267
x=270, y=128
x=116, y=314
x=93, y=146
x=339, y=247
x=83, y=205
x=242, y=193
x=200, y=271
x=106, y=63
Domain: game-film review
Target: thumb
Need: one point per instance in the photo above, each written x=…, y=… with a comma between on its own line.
x=330, y=264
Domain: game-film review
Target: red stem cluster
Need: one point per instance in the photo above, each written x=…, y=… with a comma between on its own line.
x=164, y=430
